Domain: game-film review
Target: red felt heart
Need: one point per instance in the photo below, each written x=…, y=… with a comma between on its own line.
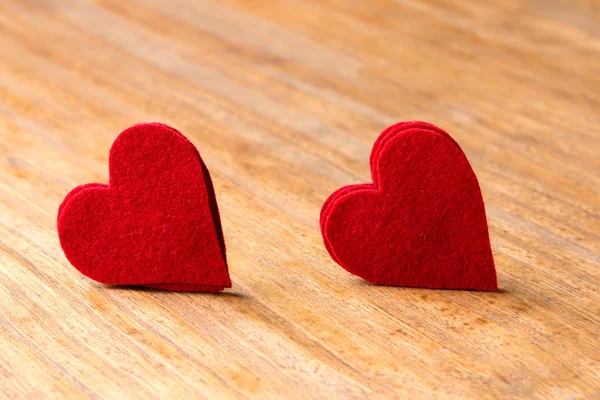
x=156, y=224
x=421, y=223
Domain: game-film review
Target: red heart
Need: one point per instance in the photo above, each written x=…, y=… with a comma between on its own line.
x=156, y=224
x=421, y=223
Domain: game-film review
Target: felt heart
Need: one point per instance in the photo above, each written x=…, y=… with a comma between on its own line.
x=156, y=224
x=421, y=223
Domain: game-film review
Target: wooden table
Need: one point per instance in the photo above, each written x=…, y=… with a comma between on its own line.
x=284, y=100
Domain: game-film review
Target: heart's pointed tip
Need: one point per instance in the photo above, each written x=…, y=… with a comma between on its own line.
x=227, y=282
x=486, y=283
x=222, y=271
x=222, y=278
x=485, y=280
x=217, y=282
x=492, y=286
x=490, y=277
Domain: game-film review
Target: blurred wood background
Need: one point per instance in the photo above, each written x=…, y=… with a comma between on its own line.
x=284, y=100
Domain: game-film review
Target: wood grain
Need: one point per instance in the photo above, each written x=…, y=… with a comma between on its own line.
x=284, y=100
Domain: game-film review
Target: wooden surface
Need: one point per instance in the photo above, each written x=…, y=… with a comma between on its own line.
x=284, y=101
